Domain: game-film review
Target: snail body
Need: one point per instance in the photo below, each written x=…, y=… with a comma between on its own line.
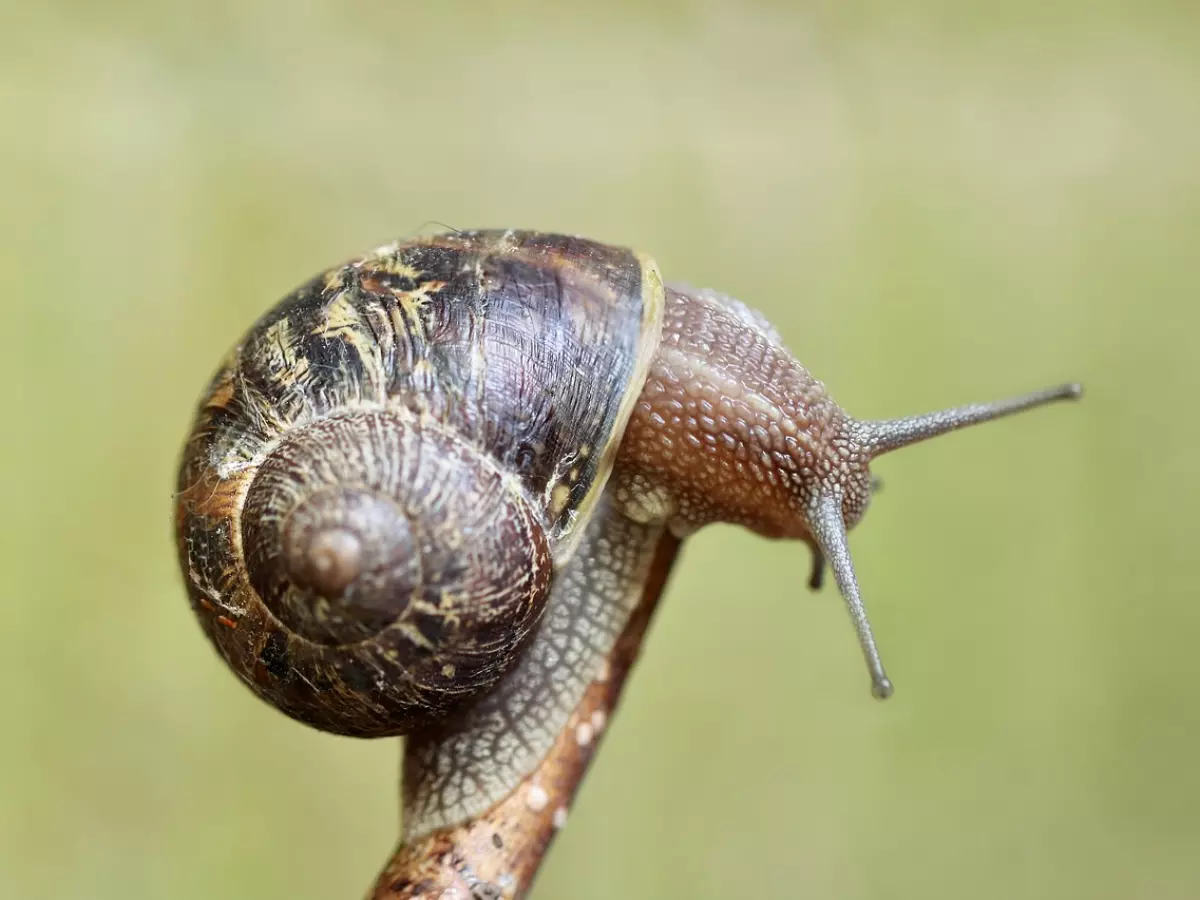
x=422, y=493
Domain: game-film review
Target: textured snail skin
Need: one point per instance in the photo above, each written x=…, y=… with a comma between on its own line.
x=466, y=764
x=729, y=427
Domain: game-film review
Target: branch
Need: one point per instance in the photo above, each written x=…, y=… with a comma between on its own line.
x=497, y=855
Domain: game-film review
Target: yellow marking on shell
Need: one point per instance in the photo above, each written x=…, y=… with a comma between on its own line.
x=223, y=391
x=335, y=279
x=419, y=604
x=560, y=496
x=448, y=670
x=286, y=367
x=418, y=298
x=414, y=635
x=277, y=340
x=404, y=321
x=224, y=387
x=222, y=501
x=298, y=369
x=389, y=262
x=378, y=326
x=344, y=321
x=266, y=414
x=340, y=316
x=445, y=609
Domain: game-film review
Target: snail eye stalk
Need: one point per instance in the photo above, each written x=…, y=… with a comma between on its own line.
x=827, y=523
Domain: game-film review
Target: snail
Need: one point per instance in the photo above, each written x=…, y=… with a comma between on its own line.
x=421, y=494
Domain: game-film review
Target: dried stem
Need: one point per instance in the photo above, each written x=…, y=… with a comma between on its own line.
x=498, y=854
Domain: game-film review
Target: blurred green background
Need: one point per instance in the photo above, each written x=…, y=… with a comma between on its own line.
x=936, y=202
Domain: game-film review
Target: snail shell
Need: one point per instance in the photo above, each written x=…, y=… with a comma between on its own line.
x=388, y=469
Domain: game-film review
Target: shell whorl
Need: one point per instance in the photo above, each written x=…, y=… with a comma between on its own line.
x=386, y=470
x=391, y=570
x=329, y=537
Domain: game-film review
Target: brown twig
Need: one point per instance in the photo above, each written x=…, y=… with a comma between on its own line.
x=497, y=854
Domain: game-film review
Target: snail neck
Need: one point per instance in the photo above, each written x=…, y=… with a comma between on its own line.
x=731, y=428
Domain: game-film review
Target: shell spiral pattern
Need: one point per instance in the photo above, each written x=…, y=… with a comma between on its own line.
x=390, y=466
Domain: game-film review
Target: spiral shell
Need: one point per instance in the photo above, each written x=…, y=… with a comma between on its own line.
x=391, y=465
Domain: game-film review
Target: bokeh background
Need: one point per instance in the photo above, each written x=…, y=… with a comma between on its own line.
x=936, y=202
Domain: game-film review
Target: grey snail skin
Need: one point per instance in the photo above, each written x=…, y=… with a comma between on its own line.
x=421, y=495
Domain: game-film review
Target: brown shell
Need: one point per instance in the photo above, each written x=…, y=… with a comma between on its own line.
x=514, y=359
